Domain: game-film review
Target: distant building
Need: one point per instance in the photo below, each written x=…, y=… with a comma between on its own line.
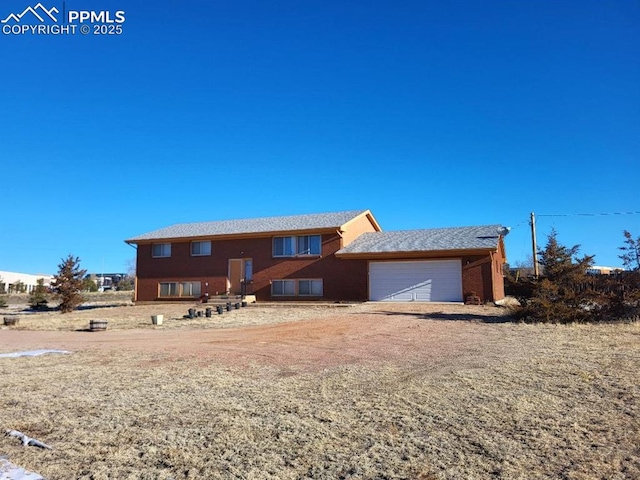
x=14, y=282
x=106, y=281
x=518, y=273
x=598, y=270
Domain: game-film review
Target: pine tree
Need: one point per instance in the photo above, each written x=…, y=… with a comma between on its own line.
x=559, y=295
x=38, y=297
x=67, y=284
x=561, y=266
x=631, y=257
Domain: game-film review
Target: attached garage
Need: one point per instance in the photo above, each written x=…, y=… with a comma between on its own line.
x=419, y=281
x=432, y=265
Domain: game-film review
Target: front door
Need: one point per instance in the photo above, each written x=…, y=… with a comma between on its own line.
x=239, y=269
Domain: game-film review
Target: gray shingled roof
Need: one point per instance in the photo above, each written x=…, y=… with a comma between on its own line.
x=433, y=239
x=251, y=225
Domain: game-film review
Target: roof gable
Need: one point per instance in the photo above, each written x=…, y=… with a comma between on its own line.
x=485, y=237
x=249, y=226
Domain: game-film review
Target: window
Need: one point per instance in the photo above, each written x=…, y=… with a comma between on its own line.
x=310, y=287
x=168, y=289
x=294, y=246
x=248, y=270
x=200, y=248
x=309, y=245
x=283, y=287
x=294, y=288
x=160, y=250
x=182, y=289
x=190, y=289
x=284, y=246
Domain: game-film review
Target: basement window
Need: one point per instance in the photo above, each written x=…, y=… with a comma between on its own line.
x=297, y=288
x=310, y=287
x=283, y=287
x=180, y=289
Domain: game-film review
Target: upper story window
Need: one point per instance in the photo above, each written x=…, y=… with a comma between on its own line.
x=284, y=246
x=201, y=248
x=160, y=250
x=296, y=246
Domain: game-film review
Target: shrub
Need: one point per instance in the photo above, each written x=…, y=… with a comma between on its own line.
x=620, y=296
x=89, y=285
x=125, y=284
x=39, y=298
x=557, y=297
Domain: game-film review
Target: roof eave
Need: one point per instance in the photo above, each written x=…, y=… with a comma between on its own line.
x=234, y=236
x=414, y=254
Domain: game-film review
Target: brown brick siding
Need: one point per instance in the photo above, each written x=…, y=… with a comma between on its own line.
x=342, y=279
x=498, y=275
x=482, y=275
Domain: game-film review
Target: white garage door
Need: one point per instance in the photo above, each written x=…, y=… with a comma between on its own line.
x=423, y=281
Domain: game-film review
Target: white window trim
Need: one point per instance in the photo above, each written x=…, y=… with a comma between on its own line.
x=289, y=280
x=296, y=287
x=168, y=283
x=310, y=287
x=295, y=246
x=180, y=289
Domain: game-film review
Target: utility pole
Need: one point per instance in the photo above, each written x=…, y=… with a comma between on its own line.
x=536, y=270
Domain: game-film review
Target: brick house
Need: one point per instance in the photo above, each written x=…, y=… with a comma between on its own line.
x=342, y=256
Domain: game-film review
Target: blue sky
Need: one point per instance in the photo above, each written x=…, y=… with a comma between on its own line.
x=429, y=113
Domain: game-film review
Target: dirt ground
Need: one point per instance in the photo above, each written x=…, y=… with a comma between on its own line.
x=364, y=391
x=310, y=337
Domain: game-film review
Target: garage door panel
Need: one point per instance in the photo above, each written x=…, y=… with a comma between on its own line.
x=429, y=280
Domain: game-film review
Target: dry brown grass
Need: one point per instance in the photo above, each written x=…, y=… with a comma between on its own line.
x=370, y=391
x=121, y=314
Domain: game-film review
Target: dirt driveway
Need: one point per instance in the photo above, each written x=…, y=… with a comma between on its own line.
x=301, y=338
x=363, y=391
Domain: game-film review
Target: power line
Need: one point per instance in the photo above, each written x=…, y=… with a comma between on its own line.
x=585, y=214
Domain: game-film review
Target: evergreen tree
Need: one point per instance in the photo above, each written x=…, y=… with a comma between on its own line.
x=631, y=257
x=38, y=297
x=561, y=295
x=561, y=266
x=89, y=285
x=68, y=283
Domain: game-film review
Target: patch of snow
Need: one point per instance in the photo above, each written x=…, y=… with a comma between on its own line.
x=9, y=471
x=508, y=302
x=30, y=353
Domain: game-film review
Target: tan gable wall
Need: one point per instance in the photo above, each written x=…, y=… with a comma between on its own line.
x=357, y=227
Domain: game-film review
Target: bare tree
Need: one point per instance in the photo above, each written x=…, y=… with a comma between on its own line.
x=631, y=257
